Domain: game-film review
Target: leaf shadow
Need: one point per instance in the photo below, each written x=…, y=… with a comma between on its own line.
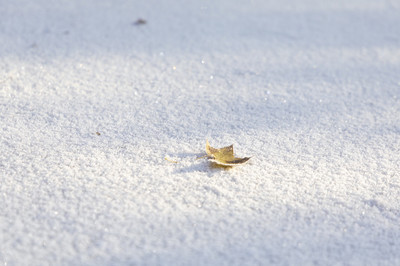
x=196, y=162
x=206, y=167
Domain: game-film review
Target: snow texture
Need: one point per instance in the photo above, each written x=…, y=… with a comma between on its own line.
x=91, y=104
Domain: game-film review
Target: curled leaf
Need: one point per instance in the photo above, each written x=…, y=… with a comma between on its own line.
x=224, y=156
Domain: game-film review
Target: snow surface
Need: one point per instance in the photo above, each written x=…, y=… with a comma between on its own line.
x=310, y=89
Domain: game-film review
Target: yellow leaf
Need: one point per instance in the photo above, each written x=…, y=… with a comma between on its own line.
x=224, y=156
x=169, y=160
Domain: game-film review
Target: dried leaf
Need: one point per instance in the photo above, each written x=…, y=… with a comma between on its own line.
x=139, y=22
x=169, y=160
x=224, y=156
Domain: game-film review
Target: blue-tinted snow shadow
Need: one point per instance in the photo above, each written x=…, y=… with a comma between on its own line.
x=204, y=166
x=287, y=235
x=107, y=28
x=197, y=163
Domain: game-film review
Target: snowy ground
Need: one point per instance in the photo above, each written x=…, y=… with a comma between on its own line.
x=310, y=89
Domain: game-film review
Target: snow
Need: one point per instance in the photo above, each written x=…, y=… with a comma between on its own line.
x=310, y=89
